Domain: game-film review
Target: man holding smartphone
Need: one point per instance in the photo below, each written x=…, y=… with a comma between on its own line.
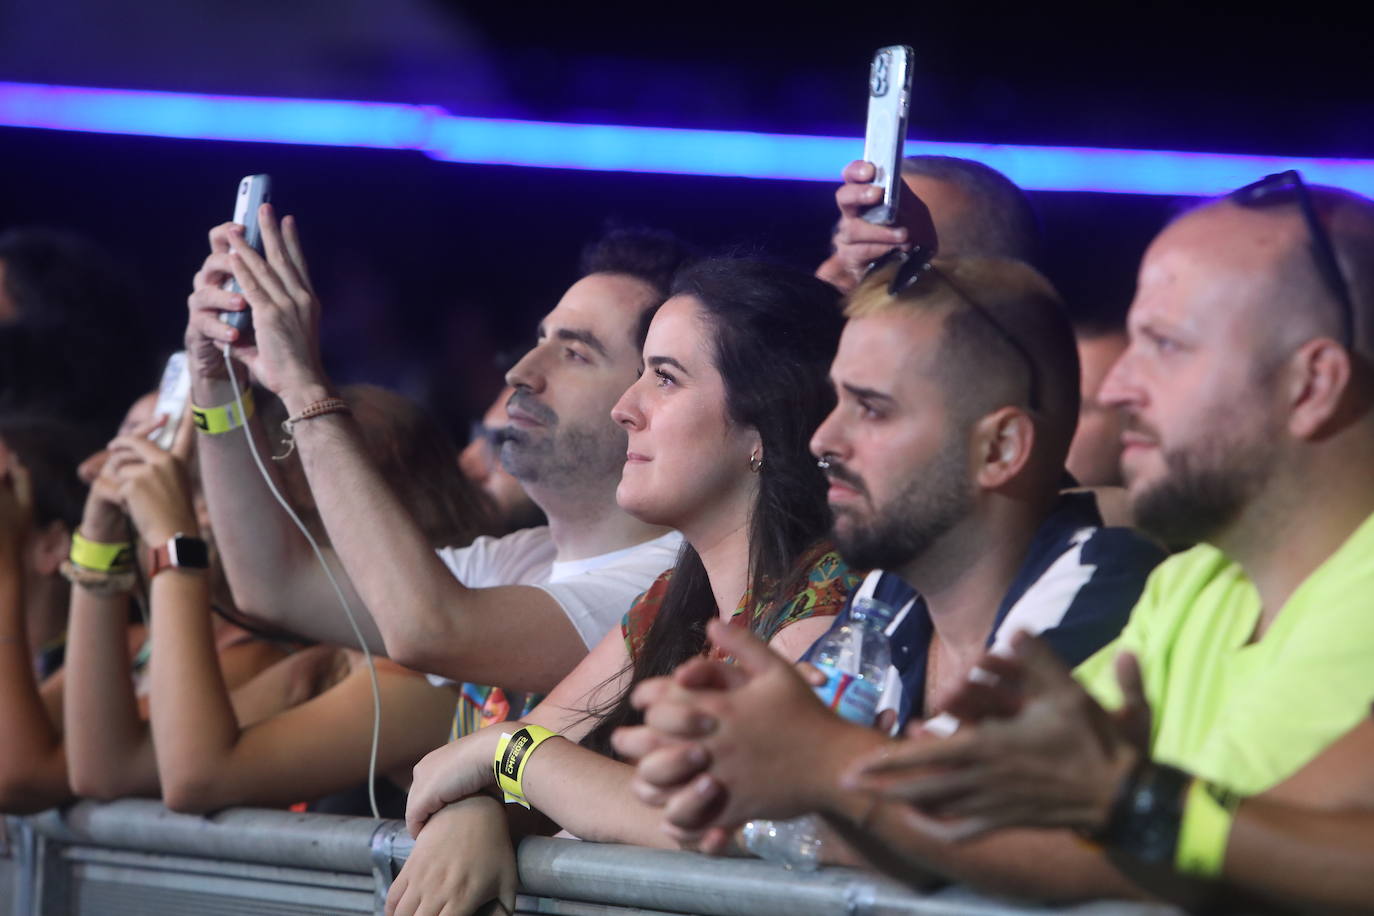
x=516, y=612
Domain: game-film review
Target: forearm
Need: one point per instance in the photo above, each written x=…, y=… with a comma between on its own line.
x=415, y=602
x=108, y=747
x=270, y=567
x=590, y=796
x=583, y=792
x=1303, y=856
x=33, y=772
x=895, y=838
x=193, y=723
x=1039, y=865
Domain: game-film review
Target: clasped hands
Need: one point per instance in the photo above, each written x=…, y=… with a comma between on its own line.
x=136, y=476
x=722, y=744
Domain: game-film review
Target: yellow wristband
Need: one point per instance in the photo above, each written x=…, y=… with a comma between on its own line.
x=511, y=754
x=216, y=421
x=101, y=557
x=1208, y=812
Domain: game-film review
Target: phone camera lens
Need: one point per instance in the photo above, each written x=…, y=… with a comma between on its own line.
x=878, y=81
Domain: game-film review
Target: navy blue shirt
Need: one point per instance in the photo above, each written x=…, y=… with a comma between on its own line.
x=1075, y=589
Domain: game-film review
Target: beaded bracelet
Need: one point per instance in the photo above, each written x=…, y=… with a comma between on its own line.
x=318, y=409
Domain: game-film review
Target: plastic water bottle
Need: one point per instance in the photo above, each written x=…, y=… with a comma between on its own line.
x=855, y=659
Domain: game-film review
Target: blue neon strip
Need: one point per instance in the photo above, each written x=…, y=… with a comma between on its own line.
x=605, y=147
x=214, y=117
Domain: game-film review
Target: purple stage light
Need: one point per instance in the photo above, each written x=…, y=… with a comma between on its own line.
x=607, y=147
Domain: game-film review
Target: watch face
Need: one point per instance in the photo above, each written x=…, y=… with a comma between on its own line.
x=190, y=553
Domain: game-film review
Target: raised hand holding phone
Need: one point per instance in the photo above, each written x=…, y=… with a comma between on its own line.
x=153, y=484
x=103, y=517
x=277, y=286
x=877, y=213
x=219, y=314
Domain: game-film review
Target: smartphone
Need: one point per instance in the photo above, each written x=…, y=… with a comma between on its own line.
x=889, y=99
x=172, y=394
x=254, y=191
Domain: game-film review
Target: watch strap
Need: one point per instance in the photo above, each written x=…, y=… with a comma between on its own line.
x=167, y=556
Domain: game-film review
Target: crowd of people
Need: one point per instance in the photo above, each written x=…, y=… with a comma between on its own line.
x=1126, y=566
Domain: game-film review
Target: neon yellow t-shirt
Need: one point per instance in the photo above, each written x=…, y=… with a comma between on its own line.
x=1248, y=716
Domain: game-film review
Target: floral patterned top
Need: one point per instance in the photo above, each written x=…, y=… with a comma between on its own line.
x=480, y=706
x=827, y=588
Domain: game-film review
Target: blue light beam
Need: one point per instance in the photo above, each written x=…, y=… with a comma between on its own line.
x=607, y=147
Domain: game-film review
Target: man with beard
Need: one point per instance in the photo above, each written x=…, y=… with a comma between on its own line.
x=958, y=397
x=1244, y=670
x=517, y=612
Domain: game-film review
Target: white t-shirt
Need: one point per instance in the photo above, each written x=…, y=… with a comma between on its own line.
x=594, y=592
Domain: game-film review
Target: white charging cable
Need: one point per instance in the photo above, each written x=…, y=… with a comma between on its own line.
x=329, y=574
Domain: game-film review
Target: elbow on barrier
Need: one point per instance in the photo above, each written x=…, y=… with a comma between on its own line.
x=188, y=796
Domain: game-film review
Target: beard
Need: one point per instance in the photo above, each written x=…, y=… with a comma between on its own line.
x=1206, y=485
x=561, y=455
x=1202, y=492
x=937, y=498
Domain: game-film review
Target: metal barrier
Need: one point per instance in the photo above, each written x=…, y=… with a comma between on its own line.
x=136, y=857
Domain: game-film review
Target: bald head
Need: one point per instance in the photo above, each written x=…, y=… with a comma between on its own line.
x=1264, y=253
x=976, y=209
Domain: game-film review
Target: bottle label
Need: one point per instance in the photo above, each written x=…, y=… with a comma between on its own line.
x=853, y=698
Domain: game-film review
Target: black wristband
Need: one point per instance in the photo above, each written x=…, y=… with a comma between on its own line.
x=1145, y=818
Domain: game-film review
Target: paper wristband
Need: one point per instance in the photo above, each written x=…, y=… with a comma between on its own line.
x=509, y=764
x=101, y=557
x=215, y=421
x=1208, y=812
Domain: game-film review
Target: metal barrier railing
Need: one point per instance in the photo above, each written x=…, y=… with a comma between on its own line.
x=136, y=857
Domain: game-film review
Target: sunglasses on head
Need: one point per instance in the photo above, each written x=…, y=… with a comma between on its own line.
x=914, y=268
x=1288, y=187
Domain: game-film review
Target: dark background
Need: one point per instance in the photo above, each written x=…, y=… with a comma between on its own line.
x=429, y=270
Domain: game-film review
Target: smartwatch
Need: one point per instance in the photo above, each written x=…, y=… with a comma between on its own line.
x=180, y=552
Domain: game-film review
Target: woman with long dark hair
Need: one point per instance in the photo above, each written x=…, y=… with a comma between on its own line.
x=732, y=387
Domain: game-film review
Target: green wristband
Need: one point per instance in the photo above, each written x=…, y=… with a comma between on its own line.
x=1208, y=812
x=101, y=557
x=216, y=421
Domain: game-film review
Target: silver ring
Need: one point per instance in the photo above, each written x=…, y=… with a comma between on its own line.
x=824, y=462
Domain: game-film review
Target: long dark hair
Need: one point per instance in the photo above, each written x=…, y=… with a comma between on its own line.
x=774, y=332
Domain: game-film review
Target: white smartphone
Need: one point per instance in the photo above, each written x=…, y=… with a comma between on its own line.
x=889, y=99
x=173, y=392
x=254, y=191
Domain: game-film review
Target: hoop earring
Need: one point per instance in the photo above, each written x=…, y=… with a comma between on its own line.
x=755, y=461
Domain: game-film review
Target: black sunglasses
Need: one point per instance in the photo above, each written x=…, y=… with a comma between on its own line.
x=1284, y=187
x=915, y=265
